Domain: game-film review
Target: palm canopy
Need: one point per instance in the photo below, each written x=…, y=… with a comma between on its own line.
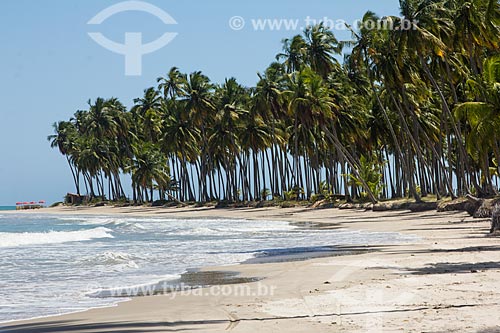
x=412, y=111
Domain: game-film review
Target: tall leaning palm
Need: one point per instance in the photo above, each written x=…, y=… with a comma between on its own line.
x=419, y=35
x=474, y=29
x=64, y=138
x=482, y=115
x=198, y=98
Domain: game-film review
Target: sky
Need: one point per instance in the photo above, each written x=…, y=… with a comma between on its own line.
x=50, y=66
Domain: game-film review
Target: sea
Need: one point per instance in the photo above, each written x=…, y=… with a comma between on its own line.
x=53, y=265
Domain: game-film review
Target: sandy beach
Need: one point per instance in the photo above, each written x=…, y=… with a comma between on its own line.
x=446, y=281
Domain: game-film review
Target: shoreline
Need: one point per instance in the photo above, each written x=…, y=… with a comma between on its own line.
x=204, y=274
x=433, y=228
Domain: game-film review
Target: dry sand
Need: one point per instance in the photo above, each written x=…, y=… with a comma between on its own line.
x=445, y=282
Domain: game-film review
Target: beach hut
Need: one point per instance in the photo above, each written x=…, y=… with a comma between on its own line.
x=74, y=199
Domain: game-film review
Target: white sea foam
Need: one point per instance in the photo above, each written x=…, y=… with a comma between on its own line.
x=11, y=239
x=143, y=251
x=116, y=260
x=111, y=222
x=134, y=290
x=88, y=220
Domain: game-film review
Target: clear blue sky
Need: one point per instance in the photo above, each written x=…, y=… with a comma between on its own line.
x=50, y=67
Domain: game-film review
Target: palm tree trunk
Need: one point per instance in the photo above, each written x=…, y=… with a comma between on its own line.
x=461, y=149
x=75, y=179
x=348, y=158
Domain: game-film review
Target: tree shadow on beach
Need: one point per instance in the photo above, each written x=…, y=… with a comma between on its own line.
x=195, y=325
x=490, y=330
x=454, y=268
x=126, y=327
x=491, y=248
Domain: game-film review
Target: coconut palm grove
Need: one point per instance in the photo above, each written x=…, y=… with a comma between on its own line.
x=400, y=110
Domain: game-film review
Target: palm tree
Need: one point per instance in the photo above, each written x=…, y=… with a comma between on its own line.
x=268, y=105
x=473, y=30
x=198, y=98
x=294, y=53
x=63, y=138
x=428, y=22
x=255, y=137
x=231, y=101
x=181, y=138
x=379, y=124
x=149, y=167
x=147, y=113
x=172, y=85
x=320, y=48
x=483, y=119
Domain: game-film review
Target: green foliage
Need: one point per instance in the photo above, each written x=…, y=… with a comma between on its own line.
x=425, y=98
x=294, y=193
x=265, y=193
x=371, y=171
x=324, y=193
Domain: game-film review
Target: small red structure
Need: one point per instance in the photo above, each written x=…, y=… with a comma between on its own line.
x=30, y=205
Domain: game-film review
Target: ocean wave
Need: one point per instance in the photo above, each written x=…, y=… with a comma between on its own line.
x=202, y=231
x=110, y=222
x=87, y=220
x=10, y=239
x=238, y=227
x=165, y=284
x=125, y=225
x=119, y=260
